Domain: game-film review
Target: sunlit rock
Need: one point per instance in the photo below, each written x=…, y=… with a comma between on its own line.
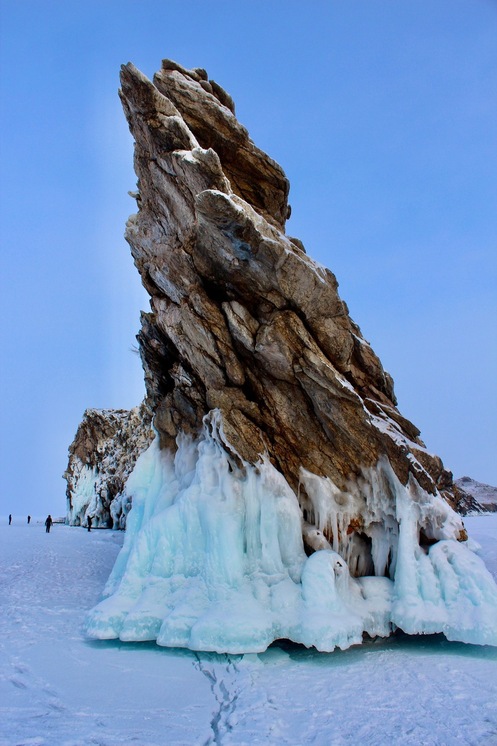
x=475, y=497
x=284, y=494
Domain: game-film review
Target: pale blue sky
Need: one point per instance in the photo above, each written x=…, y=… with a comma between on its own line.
x=383, y=114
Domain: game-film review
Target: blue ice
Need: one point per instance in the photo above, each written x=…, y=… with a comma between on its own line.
x=213, y=560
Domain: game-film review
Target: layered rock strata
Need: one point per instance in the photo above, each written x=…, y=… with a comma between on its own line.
x=284, y=423
x=242, y=319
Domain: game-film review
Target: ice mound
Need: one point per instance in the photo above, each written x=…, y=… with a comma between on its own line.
x=214, y=560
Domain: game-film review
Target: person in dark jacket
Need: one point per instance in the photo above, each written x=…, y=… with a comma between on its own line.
x=29, y=519
x=48, y=523
x=89, y=523
x=10, y=518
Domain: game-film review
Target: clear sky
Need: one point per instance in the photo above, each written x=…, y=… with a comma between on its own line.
x=383, y=114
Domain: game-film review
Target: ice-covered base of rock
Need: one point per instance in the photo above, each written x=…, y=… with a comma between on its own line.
x=101, y=458
x=86, y=499
x=214, y=560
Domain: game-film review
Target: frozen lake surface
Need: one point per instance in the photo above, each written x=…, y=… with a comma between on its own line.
x=59, y=689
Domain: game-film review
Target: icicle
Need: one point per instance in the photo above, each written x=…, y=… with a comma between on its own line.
x=213, y=558
x=84, y=495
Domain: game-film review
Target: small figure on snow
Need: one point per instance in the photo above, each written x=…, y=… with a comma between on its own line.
x=29, y=519
x=10, y=518
x=89, y=523
x=48, y=523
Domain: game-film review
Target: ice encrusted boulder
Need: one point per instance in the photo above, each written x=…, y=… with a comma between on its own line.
x=284, y=495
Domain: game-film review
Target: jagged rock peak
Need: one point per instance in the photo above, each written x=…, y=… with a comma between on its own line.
x=208, y=112
x=200, y=76
x=242, y=319
x=284, y=495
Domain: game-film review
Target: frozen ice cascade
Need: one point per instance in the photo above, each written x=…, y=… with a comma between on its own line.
x=213, y=559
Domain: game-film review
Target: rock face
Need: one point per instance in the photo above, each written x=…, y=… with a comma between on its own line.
x=278, y=434
x=242, y=319
x=101, y=458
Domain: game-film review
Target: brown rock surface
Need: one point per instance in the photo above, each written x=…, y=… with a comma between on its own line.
x=242, y=320
x=247, y=322
x=284, y=496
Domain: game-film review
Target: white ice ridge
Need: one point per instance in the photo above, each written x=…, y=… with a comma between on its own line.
x=213, y=559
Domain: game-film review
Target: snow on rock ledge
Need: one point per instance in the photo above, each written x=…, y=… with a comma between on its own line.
x=214, y=560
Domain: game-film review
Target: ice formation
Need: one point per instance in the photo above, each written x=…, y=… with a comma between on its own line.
x=214, y=560
x=102, y=456
x=284, y=494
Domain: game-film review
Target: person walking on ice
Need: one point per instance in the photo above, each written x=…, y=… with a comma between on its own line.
x=89, y=523
x=48, y=523
x=10, y=518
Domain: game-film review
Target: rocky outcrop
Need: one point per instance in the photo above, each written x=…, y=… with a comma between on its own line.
x=284, y=494
x=101, y=458
x=242, y=319
x=474, y=497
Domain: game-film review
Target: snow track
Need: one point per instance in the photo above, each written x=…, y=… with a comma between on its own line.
x=58, y=689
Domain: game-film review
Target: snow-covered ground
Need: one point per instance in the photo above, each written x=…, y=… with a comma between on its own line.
x=59, y=689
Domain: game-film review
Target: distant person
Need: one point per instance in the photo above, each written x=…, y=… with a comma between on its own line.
x=48, y=523
x=89, y=523
x=29, y=519
x=10, y=518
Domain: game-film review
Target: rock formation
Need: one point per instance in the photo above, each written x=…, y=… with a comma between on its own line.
x=475, y=497
x=101, y=458
x=242, y=320
x=266, y=390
